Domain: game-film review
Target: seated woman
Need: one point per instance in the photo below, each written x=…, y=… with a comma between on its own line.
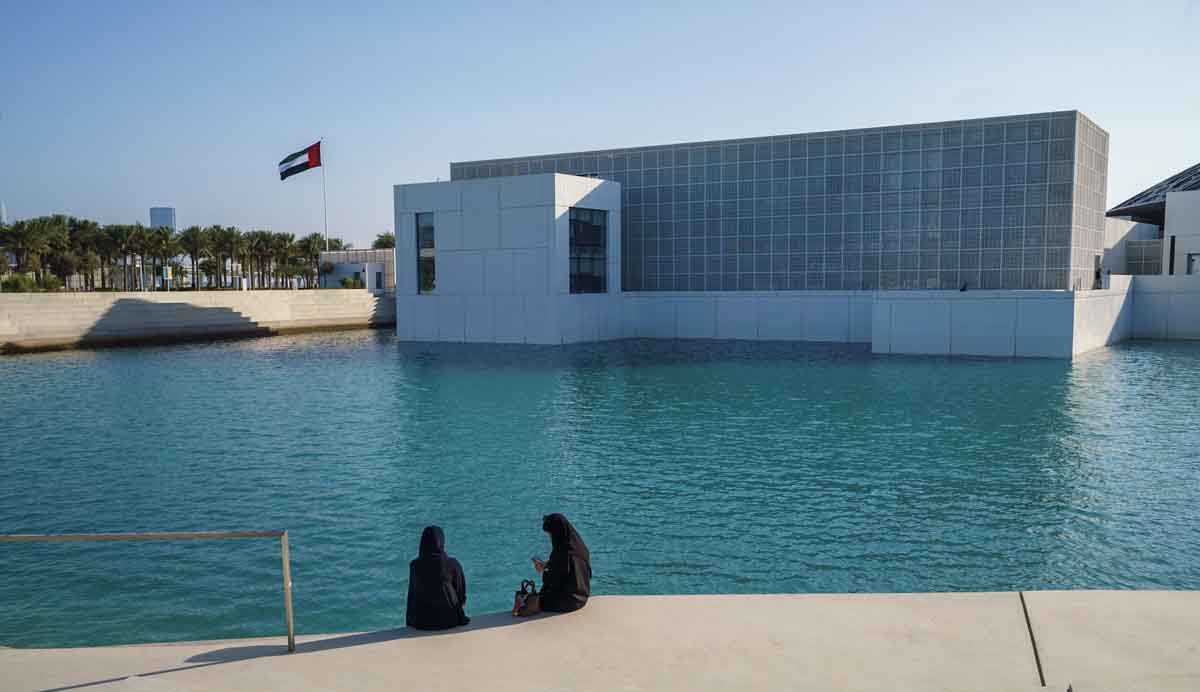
x=437, y=589
x=567, y=575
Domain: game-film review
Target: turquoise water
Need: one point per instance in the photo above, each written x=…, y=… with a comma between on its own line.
x=688, y=467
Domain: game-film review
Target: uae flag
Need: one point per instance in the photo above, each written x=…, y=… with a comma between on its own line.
x=300, y=161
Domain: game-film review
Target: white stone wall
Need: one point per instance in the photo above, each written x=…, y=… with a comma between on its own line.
x=1103, y=317
x=45, y=320
x=974, y=323
x=1166, y=307
x=502, y=271
x=1182, y=223
x=831, y=316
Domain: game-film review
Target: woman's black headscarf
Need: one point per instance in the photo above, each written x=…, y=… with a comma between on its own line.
x=566, y=581
x=563, y=536
x=437, y=588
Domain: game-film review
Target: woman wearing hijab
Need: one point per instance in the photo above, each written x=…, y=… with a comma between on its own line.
x=437, y=589
x=567, y=575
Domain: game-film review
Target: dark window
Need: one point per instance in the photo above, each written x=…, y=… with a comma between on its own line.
x=426, y=274
x=589, y=250
x=378, y=281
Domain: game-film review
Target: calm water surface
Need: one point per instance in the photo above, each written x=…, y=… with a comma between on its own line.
x=688, y=467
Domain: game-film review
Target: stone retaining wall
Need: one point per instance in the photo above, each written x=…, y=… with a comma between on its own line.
x=37, y=321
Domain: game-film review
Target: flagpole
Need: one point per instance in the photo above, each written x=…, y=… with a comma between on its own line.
x=324, y=199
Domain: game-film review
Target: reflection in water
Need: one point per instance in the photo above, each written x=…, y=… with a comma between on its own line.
x=689, y=467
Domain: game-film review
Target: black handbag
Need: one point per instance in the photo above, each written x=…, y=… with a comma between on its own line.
x=526, y=601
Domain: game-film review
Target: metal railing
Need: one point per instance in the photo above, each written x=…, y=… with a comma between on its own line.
x=170, y=536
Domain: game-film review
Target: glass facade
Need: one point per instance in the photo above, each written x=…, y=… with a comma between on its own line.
x=1010, y=202
x=589, y=250
x=426, y=266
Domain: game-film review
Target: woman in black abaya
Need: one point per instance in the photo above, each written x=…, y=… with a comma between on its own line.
x=437, y=589
x=567, y=575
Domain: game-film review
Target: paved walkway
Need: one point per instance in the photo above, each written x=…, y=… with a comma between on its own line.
x=1099, y=640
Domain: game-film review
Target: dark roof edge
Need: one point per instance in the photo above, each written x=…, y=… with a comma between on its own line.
x=742, y=140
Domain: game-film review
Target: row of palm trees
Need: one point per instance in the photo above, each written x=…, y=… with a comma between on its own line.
x=82, y=254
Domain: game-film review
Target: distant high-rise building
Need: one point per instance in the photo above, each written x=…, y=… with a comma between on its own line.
x=3, y=214
x=162, y=216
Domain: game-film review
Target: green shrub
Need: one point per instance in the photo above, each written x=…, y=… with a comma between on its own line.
x=51, y=282
x=19, y=283
x=351, y=282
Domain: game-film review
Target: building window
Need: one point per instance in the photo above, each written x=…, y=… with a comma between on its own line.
x=589, y=250
x=378, y=281
x=426, y=274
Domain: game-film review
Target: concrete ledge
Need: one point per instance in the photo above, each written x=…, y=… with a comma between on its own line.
x=965, y=641
x=1118, y=640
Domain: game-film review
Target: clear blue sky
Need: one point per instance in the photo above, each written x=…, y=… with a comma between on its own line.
x=108, y=108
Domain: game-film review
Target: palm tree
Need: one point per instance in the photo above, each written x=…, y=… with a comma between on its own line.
x=121, y=242
x=85, y=238
x=384, y=241
x=258, y=250
x=282, y=247
x=27, y=241
x=309, y=247
x=138, y=249
x=194, y=242
x=161, y=246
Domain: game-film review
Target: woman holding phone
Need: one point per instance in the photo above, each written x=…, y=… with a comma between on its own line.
x=567, y=575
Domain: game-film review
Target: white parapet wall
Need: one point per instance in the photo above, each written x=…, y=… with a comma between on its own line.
x=31, y=321
x=823, y=316
x=1010, y=324
x=1166, y=307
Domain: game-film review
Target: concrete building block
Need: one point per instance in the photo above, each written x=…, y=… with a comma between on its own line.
x=530, y=275
x=448, y=231
x=737, y=317
x=559, y=255
x=1183, y=315
x=435, y=197
x=782, y=318
x=480, y=319
x=525, y=227
x=1150, y=314
x=921, y=327
x=481, y=217
x=881, y=326
x=498, y=272
x=509, y=322
x=541, y=320
x=826, y=317
x=425, y=318
x=983, y=327
x=406, y=306
x=1045, y=327
x=526, y=190
x=696, y=318
x=860, y=306
x=572, y=313
x=451, y=318
x=471, y=269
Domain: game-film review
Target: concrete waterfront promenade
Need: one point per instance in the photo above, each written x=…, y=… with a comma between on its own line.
x=1088, y=641
x=41, y=321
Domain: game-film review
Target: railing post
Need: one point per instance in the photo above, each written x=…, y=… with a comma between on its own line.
x=287, y=591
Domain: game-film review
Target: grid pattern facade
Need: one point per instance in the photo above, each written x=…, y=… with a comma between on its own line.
x=1143, y=257
x=989, y=203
